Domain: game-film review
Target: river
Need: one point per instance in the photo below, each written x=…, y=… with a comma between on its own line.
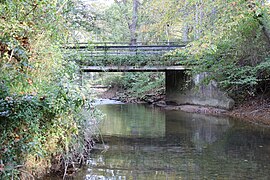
x=144, y=142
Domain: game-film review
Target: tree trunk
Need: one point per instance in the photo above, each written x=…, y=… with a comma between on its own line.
x=201, y=10
x=186, y=25
x=185, y=33
x=196, y=24
x=133, y=25
x=213, y=15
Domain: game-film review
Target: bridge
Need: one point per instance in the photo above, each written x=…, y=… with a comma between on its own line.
x=142, y=57
x=119, y=57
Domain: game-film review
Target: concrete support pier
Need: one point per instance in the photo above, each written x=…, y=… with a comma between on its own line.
x=182, y=89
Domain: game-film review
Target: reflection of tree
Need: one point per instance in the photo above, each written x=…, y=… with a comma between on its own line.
x=195, y=146
x=132, y=120
x=206, y=132
x=199, y=129
x=238, y=153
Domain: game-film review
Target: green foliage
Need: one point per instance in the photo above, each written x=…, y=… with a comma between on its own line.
x=136, y=84
x=113, y=22
x=40, y=101
x=115, y=80
x=161, y=20
x=234, y=47
x=142, y=83
x=115, y=25
x=122, y=60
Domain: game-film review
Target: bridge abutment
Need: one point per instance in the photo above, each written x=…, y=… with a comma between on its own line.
x=182, y=89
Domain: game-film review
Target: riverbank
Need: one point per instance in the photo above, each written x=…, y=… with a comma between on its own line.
x=254, y=110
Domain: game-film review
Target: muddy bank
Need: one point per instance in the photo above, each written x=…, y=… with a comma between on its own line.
x=253, y=112
x=255, y=109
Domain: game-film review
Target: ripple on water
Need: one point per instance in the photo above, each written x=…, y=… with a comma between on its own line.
x=149, y=143
x=106, y=101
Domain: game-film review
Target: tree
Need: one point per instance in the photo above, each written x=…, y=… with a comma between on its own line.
x=132, y=21
x=40, y=101
x=233, y=44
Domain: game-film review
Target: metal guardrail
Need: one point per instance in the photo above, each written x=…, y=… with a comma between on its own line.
x=99, y=53
x=123, y=45
x=108, y=43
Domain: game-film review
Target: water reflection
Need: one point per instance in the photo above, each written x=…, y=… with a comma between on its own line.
x=132, y=121
x=149, y=143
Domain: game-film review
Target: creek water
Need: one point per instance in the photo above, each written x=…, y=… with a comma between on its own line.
x=143, y=142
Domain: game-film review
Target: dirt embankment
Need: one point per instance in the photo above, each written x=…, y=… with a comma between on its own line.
x=255, y=109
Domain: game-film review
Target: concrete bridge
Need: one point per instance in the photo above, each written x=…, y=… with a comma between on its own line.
x=121, y=57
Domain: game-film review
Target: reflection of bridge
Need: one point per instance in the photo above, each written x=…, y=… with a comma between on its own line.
x=121, y=57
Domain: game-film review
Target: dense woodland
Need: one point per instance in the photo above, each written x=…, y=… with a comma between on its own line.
x=228, y=39
x=41, y=102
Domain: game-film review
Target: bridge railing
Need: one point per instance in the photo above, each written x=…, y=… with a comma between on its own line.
x=111, y=53
x=108, y=43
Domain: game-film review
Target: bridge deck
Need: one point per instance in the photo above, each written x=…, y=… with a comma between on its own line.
x=132, y=68
x=131, y=47
x=121, y=54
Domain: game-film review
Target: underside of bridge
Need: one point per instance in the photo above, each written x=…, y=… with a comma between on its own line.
x=181, y=89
